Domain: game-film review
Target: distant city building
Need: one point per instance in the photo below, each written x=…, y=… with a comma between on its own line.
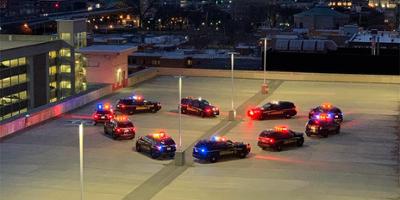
x=36, y=70
x=382, y=3
x=375, y=39
x=320, y=17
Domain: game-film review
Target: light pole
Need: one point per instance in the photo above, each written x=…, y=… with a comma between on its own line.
x=180, y=113
x=264, y=86
x=232, y=112
x=180, y=153
x=81, y=157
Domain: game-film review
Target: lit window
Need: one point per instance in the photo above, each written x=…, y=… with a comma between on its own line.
x=14, y=63
x=65, y=84
x=52, y=70
x=52, y=54
x=65, y=53
x=23, y=95
x=21, y=61
x=65, y=69
x=53, y=100
x=6, y=63
x=22, y=78
x=65, y=36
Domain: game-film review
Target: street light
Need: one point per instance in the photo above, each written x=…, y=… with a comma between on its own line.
x=180, y=154
x=81, y=157
x=180, y=112
x=232, y=112
x=264, y=86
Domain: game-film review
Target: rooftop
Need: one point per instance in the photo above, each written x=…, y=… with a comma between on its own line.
x=382, y=36
x=108, y=49
x=17, y=41
x=320, y=10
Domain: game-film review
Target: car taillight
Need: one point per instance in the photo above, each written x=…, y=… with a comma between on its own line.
x=251, y=113
x=118, y=130
x=133, y=129
x=208, y=110
x=96, y=116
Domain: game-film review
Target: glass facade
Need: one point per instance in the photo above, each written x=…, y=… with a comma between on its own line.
x=13, y=87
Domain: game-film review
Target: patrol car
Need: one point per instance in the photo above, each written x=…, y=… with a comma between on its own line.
x=215, y=148
x=157, y=145
x=136, y=104
x=103, y=113
x=322, y=125
x=199, y=106
x=120, y=127
x=327, y=108
x=273, y=109
x=279, y=137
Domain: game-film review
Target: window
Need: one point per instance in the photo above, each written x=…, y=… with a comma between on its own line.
x=52, y=70
x=52, y=54
x=65, y=69
x=14, y=63
x=65, y=53
x=53, y=100
x=65, y=84
x=22, y=78
x=6, y=63
x=21, y=61
x=65, y=36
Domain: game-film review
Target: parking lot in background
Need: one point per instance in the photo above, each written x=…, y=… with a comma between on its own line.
x=361, y=162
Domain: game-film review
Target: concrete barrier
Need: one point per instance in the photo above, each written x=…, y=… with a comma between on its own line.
x=142, y=75
x=294, y=76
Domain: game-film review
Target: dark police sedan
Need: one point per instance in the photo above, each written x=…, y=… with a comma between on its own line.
x=322, y=125
x=215, y=148
x=273, y=109
x=137, y=104
x=329, y=109
x=279, y=137
x=120, y=127
x=157, y=145
x=199, y=107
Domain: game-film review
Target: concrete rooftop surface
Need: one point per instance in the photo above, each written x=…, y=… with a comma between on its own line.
x=361, y=162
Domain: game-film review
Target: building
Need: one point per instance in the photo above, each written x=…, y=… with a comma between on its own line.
x=320, y=17
x=108, y=63
x=37, y=70
x=375, y=40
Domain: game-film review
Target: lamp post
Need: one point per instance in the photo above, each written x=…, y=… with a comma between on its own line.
x=180, y=153
x=180, y=112
x=264, y=86
x=81, y=157
x=232, y=112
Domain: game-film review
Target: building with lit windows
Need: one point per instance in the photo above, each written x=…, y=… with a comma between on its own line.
x=37, y=70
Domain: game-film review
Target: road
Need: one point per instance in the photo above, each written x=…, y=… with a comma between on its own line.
x=359, y=163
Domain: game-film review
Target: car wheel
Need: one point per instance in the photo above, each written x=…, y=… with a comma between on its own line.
x=308, y=134
x=287, y=116
x=242, y=154
x=105, y=130
x=300, y=142
x=325, y=134
x=95, y=123
x=138, y=148
x=183, y=111
x=278, y=147
x=202, y=114
x=337, y=130
x=172, y=155
x=213, y=159
x=153, y=154
x=113, y=136
x=154, y=110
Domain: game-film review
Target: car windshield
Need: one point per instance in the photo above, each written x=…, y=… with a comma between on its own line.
x=103, y=112
x=267, y=105
x=168, y=141
x=125, y=124
x=127, y=102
